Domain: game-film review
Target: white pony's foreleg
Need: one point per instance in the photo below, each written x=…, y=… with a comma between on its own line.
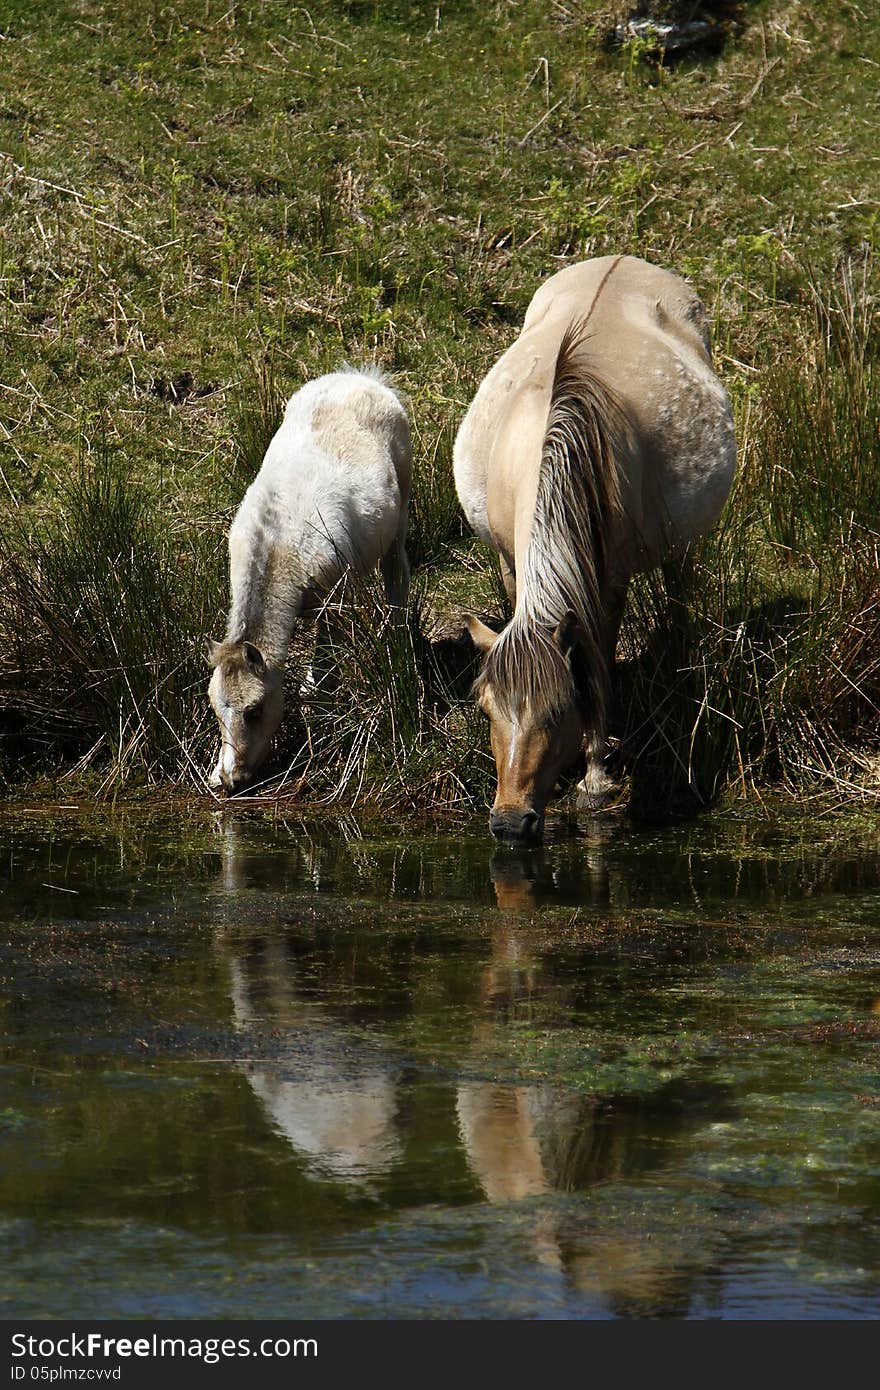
x=395, y=569
x=321, y=674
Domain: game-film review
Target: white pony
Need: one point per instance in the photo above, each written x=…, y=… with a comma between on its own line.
x=331, y=495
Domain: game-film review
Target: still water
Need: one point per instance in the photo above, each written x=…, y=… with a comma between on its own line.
x=265, y=1068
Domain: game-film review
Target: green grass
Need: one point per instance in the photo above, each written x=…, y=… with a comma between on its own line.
x=205, y=205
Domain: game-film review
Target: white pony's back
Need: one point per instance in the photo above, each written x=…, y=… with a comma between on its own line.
x=332, y=492
x=335, y=479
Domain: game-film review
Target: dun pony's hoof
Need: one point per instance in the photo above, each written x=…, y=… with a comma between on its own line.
x=597, y=789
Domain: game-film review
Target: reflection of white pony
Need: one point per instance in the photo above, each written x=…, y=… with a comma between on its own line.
x=333, y=1099
x=332, y=494
x=335, y=1103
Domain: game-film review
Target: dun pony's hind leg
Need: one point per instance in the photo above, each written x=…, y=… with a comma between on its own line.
x=598, y=786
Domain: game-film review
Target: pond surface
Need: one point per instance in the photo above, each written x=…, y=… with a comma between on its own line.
x=253, y=1068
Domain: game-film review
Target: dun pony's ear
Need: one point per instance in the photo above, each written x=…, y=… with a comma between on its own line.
x=568, y=632
x=254, y=658
x=212, y=652
x=483, y=637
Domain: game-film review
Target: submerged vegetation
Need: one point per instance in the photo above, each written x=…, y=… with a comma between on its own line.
x=250, y=197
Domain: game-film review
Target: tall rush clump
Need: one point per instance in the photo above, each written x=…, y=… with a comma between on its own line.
x=102, y=622
x=757, y=663
x=384, y=725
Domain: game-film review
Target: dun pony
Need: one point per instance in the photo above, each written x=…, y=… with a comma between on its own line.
x=599, y=444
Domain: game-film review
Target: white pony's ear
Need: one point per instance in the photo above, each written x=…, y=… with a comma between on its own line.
x=254, y=658
x=212, y=652
x=483, y=637
x=568, y=632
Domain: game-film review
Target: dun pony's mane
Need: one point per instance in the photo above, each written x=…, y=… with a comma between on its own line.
x=565, y=565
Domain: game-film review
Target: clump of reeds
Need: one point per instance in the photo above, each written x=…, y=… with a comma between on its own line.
x=705, y=642
x=103, y=621
x=385, y=722
x=759, y=661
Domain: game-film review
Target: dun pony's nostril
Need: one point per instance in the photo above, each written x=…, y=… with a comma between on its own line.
x=513, y=825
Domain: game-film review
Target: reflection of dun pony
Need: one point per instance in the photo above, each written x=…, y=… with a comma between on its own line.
x=600, y=443
x=332, y=494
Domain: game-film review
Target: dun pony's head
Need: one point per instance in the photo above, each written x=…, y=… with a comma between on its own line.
x=247, y=697
x=529, y=694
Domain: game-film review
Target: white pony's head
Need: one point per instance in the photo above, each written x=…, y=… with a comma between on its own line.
x=247, y=696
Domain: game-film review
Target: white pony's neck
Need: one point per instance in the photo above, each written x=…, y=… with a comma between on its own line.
x=266, y=602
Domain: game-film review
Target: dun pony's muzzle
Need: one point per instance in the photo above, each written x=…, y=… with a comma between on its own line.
x=516, y=825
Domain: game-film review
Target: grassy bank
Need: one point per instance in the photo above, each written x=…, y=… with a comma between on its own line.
x=204, y=206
